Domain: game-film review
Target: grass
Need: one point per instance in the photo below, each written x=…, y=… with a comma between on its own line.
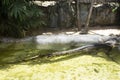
x=73, y=67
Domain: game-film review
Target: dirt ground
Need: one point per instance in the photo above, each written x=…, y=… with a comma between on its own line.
x=106, y=30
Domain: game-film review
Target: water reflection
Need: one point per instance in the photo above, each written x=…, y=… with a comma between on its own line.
x=15, y=49
x=62, y=38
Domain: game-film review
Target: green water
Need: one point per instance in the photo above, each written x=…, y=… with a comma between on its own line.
x=67, y=67
x=15, y=51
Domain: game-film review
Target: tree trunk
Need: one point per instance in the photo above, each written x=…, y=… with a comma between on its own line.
x=77, y=15
x=88, y=17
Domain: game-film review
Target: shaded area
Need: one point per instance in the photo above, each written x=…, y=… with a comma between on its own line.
x=64, y=14
x=13, y=52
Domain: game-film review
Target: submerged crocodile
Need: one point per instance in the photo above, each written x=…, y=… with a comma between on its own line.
x=107, y=47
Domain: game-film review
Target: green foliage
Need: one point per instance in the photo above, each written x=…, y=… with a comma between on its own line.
x=17, y=16
x=114, y=6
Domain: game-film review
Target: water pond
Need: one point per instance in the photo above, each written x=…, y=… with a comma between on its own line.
x=77, y=67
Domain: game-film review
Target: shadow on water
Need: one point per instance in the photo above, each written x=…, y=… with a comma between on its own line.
x=115, y=54
x=49, y=60
x=115, y=57
x=12, y=53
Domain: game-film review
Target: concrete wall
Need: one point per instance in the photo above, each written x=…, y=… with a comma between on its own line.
x=61, y=16
x=102, y=15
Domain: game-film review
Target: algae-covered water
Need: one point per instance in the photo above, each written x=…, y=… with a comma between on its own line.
x=15, y=51
x=80, y=66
